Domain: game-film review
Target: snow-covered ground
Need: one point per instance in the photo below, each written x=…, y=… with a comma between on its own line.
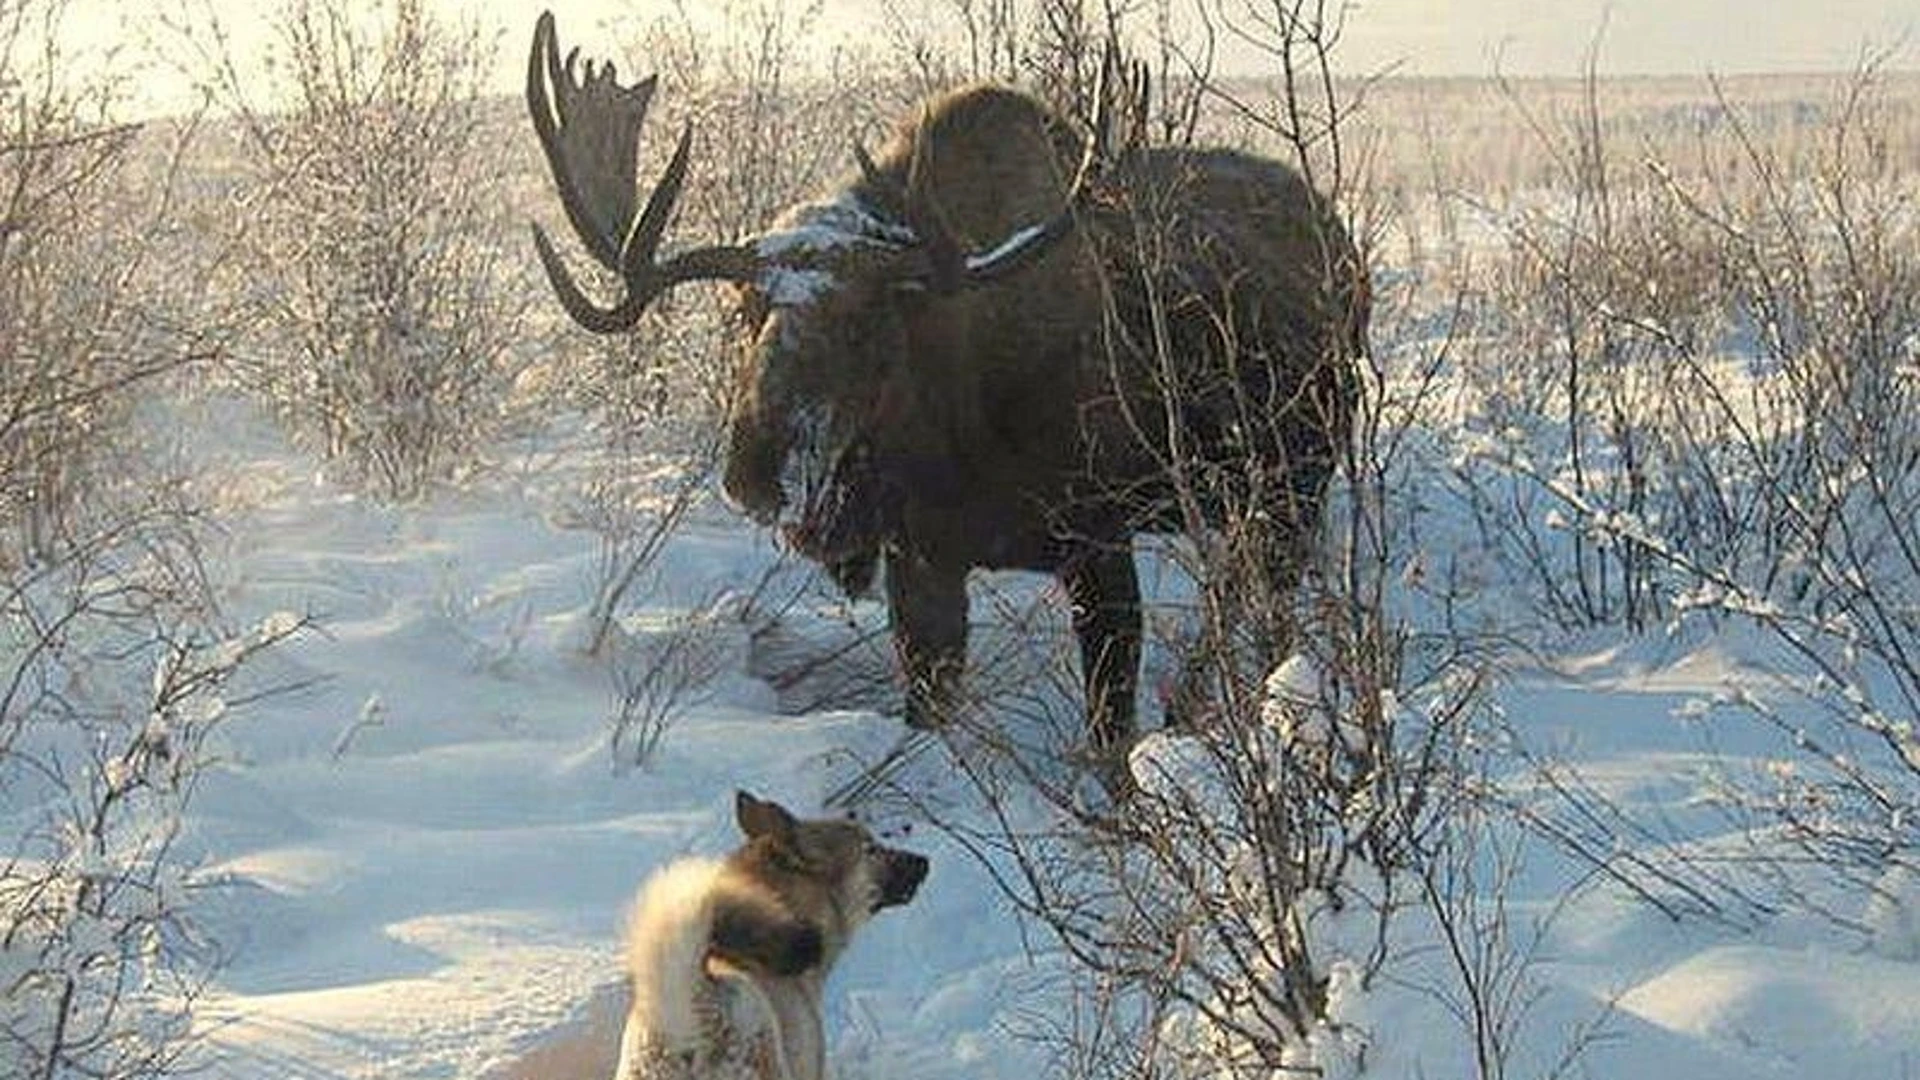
x=428, y=851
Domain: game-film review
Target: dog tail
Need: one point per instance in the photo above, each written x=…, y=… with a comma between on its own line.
x=667, y=941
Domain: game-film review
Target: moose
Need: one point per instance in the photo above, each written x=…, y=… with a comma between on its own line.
x=998, y=344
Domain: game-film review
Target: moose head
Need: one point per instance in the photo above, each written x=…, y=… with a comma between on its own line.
x=839, y=297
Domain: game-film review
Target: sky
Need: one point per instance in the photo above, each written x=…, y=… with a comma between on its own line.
x=1685, y=37
x=1420, y=37
x=1464, y=37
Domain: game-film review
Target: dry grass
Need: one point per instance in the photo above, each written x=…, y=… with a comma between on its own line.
x=1484, y=137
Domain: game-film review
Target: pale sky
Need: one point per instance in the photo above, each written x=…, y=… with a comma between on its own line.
x=1426, y=37
x=1461, y=37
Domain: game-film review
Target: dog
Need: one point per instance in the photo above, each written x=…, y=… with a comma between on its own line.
x=727, y=958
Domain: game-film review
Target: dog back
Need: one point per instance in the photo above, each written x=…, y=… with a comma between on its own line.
x=694, y=1016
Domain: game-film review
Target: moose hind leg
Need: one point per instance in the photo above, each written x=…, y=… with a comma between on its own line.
x=928, y=608
x=1105, y=592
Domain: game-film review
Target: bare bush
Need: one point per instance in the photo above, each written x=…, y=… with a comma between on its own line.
x=116, y=680
x=1057, y=48
x=381, y=332
x=114, y=670
x=76, y=351
x=664, y=670
x=1692, y=333
x=1609, y=293
x=1723, y=436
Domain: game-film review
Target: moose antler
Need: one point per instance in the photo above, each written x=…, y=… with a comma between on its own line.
x=940, y=263
x=589, y=127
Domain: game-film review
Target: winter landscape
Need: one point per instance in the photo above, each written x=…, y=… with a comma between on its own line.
x=368, y=631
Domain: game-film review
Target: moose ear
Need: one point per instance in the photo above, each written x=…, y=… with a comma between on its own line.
x=762, y=817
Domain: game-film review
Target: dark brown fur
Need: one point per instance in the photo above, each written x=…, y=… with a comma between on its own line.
x=1028, y=423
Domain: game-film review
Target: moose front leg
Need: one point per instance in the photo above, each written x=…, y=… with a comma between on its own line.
x=1105, y=592
x=928, y=608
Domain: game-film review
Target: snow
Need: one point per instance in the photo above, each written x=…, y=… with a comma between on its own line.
x=791, y=287
x=818, y=227
x=1801, y=1007
x=800, y=250
x=427, y=854
x=420, y=862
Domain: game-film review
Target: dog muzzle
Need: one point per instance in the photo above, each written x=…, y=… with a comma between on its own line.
x=901, y=879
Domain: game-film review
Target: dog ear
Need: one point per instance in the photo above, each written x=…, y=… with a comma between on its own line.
x=762, y=817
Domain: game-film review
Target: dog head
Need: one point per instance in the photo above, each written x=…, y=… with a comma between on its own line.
x=830, y=871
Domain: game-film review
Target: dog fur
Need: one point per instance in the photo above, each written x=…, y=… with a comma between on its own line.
x=727, y=958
